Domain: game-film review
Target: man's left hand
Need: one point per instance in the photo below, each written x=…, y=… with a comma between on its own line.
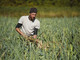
x=34, y=36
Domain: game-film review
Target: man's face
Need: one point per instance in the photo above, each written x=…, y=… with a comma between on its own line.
x=32, y=15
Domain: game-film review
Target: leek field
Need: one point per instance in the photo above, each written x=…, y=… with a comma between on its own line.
x=60, y=37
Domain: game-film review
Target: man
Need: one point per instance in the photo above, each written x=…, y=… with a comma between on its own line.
x=28, y=25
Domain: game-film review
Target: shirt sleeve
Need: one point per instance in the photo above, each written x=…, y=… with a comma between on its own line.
x=20, y=20
x=35, y=31
x=18, y=25
x=37, y=25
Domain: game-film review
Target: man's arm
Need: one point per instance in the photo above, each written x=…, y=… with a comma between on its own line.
x=18, y=29
x=35, y=33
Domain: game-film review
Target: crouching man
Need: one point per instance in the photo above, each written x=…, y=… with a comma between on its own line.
x=28, y=26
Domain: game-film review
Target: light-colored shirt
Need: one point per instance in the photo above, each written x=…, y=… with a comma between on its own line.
x=28, y=26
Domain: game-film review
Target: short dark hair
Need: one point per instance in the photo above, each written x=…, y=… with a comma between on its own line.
x=33, y=10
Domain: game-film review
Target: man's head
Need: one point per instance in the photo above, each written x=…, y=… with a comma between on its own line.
x=33, y=12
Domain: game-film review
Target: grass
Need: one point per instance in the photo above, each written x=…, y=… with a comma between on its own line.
x=61, y=34
x=42, y=11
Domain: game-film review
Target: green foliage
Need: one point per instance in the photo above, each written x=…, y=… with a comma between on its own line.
x=39, y=3
x=61, y=34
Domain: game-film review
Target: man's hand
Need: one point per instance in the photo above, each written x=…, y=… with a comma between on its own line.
x=34, y=36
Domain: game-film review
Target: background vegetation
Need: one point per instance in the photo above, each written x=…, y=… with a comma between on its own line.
x=42, y=11
x=40, y=3
x=46, y=8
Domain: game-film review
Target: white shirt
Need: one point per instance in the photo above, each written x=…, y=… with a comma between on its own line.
x=28, y=26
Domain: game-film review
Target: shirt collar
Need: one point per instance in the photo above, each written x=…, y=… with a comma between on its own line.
x=30, y=19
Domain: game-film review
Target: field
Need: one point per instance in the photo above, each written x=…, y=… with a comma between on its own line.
x=60, y=36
